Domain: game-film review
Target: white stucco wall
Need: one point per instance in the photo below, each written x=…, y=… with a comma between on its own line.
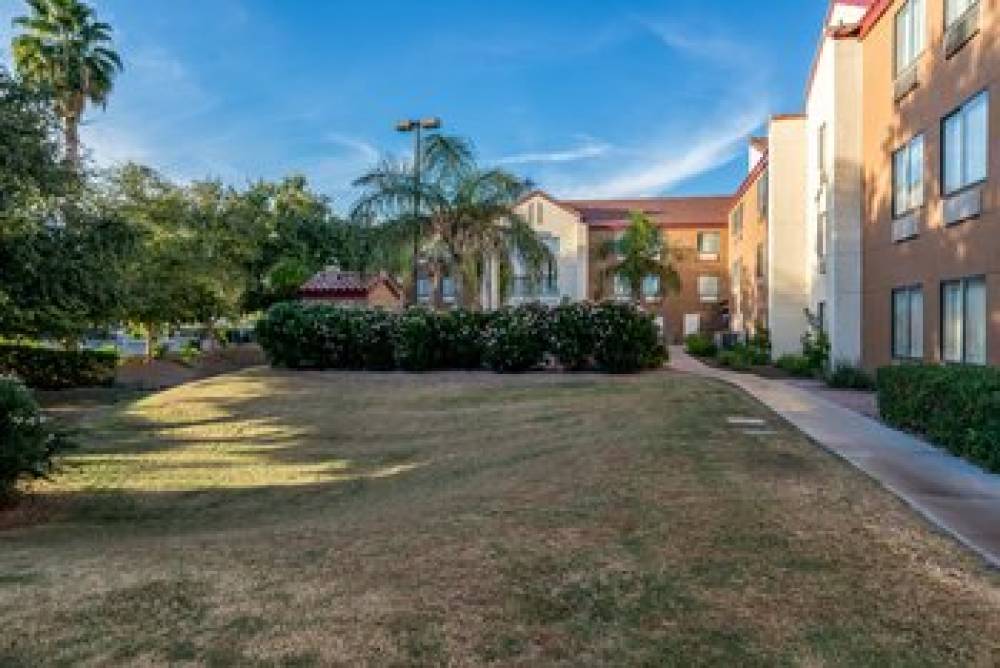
x=573, y=256
x=835, y=188
x=788, y=284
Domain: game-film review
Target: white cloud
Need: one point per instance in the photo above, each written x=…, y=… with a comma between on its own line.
x=588, y=150
x=662, y=167
x=360, y=147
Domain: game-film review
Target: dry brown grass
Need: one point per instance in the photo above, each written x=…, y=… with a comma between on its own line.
x=313, y=519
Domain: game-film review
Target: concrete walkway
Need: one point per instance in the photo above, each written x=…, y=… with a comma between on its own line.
x=961, y=499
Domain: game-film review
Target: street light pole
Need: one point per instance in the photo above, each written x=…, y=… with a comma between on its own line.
x=417, y=126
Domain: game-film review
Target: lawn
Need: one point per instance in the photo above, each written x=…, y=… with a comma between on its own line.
x=276, y=518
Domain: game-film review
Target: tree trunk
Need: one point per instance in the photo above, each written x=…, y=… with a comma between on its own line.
x=72, y=136
x=151, y=339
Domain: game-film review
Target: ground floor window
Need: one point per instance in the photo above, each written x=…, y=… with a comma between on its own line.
x=963, y=321
x=908, y=323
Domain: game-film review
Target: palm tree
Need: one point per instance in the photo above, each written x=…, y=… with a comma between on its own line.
x=66, y=52
x=466, y=216
x=641, y=252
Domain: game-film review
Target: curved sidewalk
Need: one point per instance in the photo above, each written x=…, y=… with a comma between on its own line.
x=961, y=499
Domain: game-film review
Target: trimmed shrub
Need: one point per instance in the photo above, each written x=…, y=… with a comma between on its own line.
x=627, y=341
x=47, y=369
x=701, y=345
x=374, y=334
x=417, y=340
x=27, y=445
x=572, y=333
x=846, y=376
x=737, y=359
x=956, y=407
x=617, y=338
x=797, y=365
x=516, y=339
x=460, y=336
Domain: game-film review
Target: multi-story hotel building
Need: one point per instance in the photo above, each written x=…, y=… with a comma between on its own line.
x=889, y=238
x=694, y=232
x=930, y=167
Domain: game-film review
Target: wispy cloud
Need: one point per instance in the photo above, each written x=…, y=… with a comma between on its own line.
x=588, y=150
x=360, y=147
x=663, y=167
x=692, y=145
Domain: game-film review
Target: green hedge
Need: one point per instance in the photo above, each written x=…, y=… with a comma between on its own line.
x=956, y=407
x=46, y=369
x=611, y=337
x=27, y=444
x=700, y=345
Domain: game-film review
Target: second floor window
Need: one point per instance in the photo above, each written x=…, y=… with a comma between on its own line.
x=763, y=191
x=709, y=244
x=908, y=177
x=651, y=287
x=909, y=34
x=965, y=135
x=761, y=261
x=821, y=236
x=956, y=9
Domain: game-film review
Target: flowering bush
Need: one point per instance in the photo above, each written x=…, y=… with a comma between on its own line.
x=516, y=339
x=627, y=340
x=417, y=340
x=27, y=444
x=615, y=338
x=460, y=336
x=572, y=335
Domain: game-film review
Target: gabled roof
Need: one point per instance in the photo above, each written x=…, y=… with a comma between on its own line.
x=333, y=282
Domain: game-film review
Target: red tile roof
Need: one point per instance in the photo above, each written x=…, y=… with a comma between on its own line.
x=345, y=284
x=664, y=211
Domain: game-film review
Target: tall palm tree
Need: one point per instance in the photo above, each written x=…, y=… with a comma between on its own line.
x=67, y=52
x=466, y=216
x=641, y=252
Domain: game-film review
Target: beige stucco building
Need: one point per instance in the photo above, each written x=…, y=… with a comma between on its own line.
x=694, y=232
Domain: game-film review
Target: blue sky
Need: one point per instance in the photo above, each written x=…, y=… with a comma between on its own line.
x=595, y=98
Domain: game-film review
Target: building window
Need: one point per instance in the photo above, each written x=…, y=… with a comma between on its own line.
x=651, y=288
x=908, y=177
x=622, y=287
x=909, y=35
x=448, y=290
x=539, y=214
x=709, y=245
x=821, y=224
x=708, y=289
x=423, y=289
x=956, y=9
x=963, y=321
x=763, y=192
x=761, y=261
x=550, y=277
x=821, y=150
x=908, y=323
x=737, y=221
x=965, y=135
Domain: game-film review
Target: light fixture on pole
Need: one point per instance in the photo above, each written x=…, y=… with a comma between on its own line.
x=417, y=126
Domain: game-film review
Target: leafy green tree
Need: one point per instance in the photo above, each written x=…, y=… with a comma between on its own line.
x=642, y=251
x=60, y=254
x=64, y=50
x=466, y=216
